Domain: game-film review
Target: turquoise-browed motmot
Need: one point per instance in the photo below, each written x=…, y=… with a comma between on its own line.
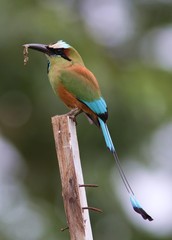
x=79, y=90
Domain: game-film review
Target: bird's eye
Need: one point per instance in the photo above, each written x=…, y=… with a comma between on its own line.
x=59, y=51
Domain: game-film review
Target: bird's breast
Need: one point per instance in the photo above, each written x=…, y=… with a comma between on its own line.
x=69, y=99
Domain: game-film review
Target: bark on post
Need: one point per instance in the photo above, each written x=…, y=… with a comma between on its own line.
x=74, y=197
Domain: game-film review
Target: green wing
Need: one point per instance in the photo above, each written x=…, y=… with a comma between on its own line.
x=81, y=83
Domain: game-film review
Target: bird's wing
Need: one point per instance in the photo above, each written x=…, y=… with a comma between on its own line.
x=82, y=84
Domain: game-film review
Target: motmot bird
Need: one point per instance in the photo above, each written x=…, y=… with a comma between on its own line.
x=78, y=88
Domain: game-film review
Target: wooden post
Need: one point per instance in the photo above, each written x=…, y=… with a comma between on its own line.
x=74, y=197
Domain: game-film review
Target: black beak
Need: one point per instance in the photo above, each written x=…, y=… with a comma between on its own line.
x=39, y=47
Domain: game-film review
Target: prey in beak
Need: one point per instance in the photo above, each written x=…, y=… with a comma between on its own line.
x=46, y=49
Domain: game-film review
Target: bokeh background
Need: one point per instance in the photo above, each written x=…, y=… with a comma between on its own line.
x=128, y=46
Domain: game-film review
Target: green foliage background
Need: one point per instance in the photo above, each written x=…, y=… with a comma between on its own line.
x=132, y=88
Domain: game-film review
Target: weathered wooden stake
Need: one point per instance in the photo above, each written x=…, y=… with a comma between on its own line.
x=74, y=197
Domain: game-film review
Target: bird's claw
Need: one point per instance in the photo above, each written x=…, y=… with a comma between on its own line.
x=73, y=113
x=73, y=118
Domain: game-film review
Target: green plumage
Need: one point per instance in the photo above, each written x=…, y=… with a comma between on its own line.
x=79, y=86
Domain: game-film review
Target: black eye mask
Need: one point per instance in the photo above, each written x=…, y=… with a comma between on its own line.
x=59, y=52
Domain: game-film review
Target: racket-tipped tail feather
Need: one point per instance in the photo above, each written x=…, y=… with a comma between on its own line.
x=137, y=208
x=135, y=204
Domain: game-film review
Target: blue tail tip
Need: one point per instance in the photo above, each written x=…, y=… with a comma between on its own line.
x=137, y=208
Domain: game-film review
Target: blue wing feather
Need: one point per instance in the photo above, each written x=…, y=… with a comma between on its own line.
x=98, y=106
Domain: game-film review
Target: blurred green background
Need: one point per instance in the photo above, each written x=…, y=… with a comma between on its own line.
x=127, y=44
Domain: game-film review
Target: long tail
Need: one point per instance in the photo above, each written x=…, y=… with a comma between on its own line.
x=135, y=204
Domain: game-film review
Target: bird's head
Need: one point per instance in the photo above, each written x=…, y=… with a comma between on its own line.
x=58, y=53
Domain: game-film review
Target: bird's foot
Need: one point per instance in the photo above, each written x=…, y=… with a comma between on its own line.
x=73, y=113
